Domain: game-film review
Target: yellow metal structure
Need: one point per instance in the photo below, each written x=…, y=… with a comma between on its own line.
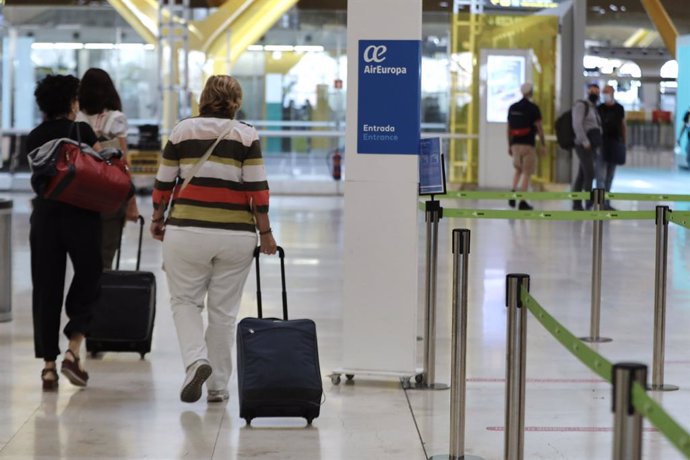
x=463, y=152
x=636, y=38
x=222, y=36
x=247, y=20
x=281, y=64
x=248, y=27
x=214, y=27
x=470, y=33
x=663, y=23
x=142, y=15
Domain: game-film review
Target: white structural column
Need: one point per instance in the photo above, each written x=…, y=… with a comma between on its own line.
x=381, y=236
x=570, y=79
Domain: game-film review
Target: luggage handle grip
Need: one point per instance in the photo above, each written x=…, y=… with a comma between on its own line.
x=259, y=305
x=141, y=221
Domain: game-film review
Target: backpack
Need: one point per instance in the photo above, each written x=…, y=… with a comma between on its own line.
x=565, y=134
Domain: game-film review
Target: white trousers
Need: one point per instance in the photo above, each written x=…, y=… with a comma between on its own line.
x=213, y=265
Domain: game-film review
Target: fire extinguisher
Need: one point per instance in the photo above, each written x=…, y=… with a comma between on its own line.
x=336, y=164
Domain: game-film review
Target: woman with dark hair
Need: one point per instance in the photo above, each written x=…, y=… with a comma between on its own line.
x=100, y=106
x=59, y=230
x=210, y=233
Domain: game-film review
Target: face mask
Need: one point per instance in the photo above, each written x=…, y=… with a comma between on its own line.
x=608, y=98
x=593, y=98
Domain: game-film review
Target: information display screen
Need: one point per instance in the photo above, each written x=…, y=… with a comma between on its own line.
x=432, y=174
x=504, y=75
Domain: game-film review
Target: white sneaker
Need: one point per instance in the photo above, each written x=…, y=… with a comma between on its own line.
x=197, y=374
x=217, y=396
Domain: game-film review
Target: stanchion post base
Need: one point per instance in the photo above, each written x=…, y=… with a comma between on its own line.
x=448, y=457
x=596, y=339
x=425, y=386
x=664, y=387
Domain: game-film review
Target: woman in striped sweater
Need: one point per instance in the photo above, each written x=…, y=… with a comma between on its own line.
x=209, y=234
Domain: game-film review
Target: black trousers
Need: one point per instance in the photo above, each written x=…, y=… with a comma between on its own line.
x=59, y=230
x=586, y=172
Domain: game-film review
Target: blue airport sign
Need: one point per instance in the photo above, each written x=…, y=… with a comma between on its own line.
x=388, y=114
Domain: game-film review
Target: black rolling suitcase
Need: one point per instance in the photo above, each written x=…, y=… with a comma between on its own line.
x=123, y=316
x=277, y=362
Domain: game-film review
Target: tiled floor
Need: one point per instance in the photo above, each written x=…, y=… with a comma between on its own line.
x=131, y=408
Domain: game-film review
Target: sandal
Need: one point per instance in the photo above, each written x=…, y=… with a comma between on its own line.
x=73, y=372
x=49, y=384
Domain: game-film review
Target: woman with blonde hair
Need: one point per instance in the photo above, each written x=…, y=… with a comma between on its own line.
x=213, y=184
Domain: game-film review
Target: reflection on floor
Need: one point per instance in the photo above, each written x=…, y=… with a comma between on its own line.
x=131, y=408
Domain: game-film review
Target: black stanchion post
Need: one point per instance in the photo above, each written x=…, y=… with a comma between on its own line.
x=458, y=386
x=661, y=263
x=598, y=197
x=433, y=214
x=515, y=367
x=627, y=422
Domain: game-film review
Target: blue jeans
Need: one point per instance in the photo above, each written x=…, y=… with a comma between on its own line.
x=604, y=173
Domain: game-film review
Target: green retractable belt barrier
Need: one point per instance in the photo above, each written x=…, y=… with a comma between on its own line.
x=476, y=195
x=681, y=218
x=663, y=422
x=646, y=197
x=590, y=358
x=547, y=196
x=548, y=215
x=643, y=403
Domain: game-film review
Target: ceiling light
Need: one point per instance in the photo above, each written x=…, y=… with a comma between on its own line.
x=56, y=46
x=279, y=48
x=99, y=46
x=307, y=48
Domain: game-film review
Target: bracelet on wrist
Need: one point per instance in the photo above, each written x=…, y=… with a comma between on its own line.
x=158, y=220
x=265, y=232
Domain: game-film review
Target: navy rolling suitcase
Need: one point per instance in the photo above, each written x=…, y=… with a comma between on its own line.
x=277, y=362
x=124, y=315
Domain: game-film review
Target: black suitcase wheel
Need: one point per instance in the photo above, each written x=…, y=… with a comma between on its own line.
x=143, y=355
x=248, y=421
x=350, y=377
x=309, y=420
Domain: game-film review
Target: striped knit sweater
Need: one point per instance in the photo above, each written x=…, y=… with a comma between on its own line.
x=220, y=193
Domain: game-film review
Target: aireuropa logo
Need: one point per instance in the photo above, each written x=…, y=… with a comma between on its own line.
x=375, y=53
x=373, y=56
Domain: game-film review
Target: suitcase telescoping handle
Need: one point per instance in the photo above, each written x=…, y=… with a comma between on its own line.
x=141, y=221
x=281, y=254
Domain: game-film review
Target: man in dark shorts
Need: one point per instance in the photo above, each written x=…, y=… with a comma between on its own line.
x=524, y=122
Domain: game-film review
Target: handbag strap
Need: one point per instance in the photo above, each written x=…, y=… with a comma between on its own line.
x=108, y=124
x=197, y=166
x=75, y=125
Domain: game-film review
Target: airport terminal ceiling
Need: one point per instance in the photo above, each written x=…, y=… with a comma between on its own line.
x=431, y=5
x=601, y=10
x=627, y=16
